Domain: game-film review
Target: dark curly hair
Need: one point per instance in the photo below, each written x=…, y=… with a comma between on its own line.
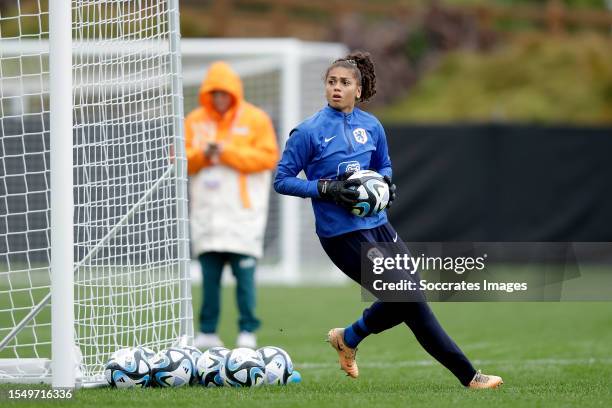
x=362, y=64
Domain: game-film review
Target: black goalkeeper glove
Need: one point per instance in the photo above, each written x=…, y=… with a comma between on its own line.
x=392, y=188
x=339, y=191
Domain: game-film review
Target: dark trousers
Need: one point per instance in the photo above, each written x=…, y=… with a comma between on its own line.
x=344, y=251
x=243, y=268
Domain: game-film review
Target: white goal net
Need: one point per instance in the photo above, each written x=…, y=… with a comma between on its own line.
x=130, y=265
x=284, y=77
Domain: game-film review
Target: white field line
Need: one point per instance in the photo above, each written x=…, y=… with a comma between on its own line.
x=427, y=363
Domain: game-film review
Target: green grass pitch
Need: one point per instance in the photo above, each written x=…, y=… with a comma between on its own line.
x=549, y=354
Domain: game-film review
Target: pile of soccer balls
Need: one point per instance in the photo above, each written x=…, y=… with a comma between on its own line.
x=216, y=367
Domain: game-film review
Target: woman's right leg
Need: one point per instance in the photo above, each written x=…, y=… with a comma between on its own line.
x=427, y=330
x=345, y=252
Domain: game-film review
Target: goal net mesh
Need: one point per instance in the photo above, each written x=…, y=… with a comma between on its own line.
x=129, y=222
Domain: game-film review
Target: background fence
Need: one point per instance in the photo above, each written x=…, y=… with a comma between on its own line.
x=502, y=183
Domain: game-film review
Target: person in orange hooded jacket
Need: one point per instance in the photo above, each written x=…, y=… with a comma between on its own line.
x=231, y=150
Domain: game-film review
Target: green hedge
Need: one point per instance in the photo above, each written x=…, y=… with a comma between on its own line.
x=537, y=79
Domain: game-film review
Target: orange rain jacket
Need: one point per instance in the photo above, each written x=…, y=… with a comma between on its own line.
x=229, y=199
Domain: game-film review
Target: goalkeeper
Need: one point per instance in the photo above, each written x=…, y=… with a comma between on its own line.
x=231, y=150
x=335, y=141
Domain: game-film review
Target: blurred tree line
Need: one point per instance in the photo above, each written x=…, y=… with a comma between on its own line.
x=533, y=79
x=444, y=66
x=595, y=4
x=453, y=60
x=436, y=59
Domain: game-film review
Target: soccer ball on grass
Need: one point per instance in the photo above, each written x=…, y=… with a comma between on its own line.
x=128, y=368
x=208, y=366
x=172, y=367
x=279, y=367
x=243, y=367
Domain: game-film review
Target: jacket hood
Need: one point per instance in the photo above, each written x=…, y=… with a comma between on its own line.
x=221, y=77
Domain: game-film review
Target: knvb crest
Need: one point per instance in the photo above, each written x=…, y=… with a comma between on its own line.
x=360, y=135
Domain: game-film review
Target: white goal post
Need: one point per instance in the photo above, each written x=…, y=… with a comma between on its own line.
x=94, y=241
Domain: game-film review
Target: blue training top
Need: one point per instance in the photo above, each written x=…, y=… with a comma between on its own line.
x=327, y=145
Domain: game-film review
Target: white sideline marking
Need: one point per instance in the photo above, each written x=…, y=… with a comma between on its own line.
x=426, y=363
x=476, y=346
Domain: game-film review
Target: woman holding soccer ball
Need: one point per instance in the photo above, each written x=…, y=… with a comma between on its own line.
x=329, y=146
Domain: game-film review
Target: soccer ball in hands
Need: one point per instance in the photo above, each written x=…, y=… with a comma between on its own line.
x=128, y=368
x=279, y=367
x=243, y=367
x=373, y=193
x=209, y=363
x=172, y=367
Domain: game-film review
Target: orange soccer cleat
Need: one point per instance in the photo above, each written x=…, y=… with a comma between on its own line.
x=482, y=381
x=346, y=355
